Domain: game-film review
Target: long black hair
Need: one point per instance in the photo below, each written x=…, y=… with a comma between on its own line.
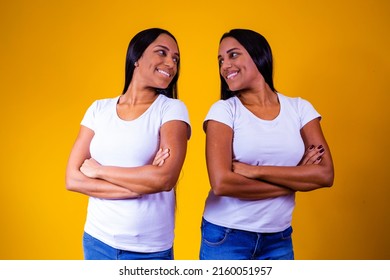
x=260, y=52
x=136, y=48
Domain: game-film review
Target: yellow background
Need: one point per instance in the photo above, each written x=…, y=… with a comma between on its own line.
x=56, y=57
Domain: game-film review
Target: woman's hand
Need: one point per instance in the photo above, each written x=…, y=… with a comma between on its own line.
x=160, y=157
x=313, y=155
x=244, y=169
x=90, y=168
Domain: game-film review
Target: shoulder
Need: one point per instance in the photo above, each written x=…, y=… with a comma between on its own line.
x=98, y=109
x=228, y=104
x=297, y=103
x=223, y=111
x=300, y=107
x=102, y=104
x=170, y=103
x=171, y=109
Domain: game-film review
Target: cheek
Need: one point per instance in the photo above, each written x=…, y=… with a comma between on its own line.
x=251, y=72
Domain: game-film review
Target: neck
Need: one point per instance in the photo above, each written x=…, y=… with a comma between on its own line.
x=138, y=95
x=262, y=96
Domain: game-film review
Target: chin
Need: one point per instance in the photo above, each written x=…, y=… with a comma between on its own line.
x=161, y=85
x=234, y=89
x=232, y=86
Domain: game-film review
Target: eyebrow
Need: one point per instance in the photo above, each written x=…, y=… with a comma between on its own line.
x=166, y=48
x=229, y=51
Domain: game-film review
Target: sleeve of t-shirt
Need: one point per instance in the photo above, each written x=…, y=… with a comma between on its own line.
x=221, y=112
x=176, y=110
x=307, y=112
x=89, y=116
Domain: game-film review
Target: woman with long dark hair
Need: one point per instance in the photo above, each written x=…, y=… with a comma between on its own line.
x=261, y=148
x=129, y=153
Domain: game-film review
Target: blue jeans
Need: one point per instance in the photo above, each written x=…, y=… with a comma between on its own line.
x=221, y=243
x=95, y=249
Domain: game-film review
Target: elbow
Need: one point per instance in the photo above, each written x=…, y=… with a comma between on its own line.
x=327, y=179
x=219, y=187
x=167, y=186
x=328, y=182
x=224, y=182
x=71, y=184
x=219, y=191
x=166, y=183
x=72, y=180
x=170, y=183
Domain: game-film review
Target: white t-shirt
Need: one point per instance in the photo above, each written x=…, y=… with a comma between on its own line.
x=276, y=142
x=144, y=224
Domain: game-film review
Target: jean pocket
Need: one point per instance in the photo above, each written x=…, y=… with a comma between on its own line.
x=213, y=234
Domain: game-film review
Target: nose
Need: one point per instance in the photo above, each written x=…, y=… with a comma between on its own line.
x=169, y=61
x=225, y=65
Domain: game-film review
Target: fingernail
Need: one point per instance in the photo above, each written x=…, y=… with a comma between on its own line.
x=322, y=150
x=319, y=147
x=319, y=158
x=311, y=147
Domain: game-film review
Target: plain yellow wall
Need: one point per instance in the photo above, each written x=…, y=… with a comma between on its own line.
x=56, y=57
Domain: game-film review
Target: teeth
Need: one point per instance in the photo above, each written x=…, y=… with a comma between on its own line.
x=164, y=73
x=231, y=75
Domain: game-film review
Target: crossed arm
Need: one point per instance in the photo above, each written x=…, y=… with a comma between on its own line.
x=258, y=182
x=314, y=171
x=85, y=175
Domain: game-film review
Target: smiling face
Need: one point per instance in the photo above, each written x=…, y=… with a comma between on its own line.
x=158, y=64
x=237, y=66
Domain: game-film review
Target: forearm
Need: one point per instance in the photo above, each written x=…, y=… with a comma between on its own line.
x=297, y=178
x=144, y=179
x=236, y=185
x=78, y=182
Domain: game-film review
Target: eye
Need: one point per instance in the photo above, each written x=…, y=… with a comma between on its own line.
x=220, y=62
x=161, y=52
x=175, y=59
x=233, y=55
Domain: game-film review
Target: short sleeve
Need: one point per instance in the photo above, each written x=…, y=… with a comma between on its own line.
x=220, y=111
x=176, y=110
x=89, y=116
x=307, y=112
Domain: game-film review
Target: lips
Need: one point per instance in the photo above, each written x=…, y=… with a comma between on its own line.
x=168, y=75
x=231, y=75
